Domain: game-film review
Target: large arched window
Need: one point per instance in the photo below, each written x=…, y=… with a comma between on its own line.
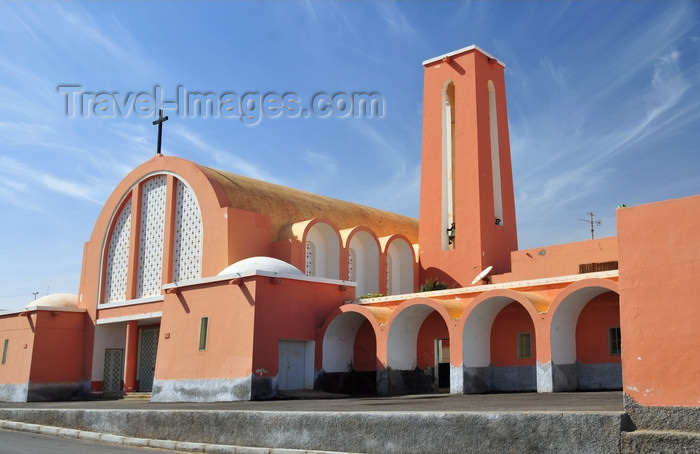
x=147, y=202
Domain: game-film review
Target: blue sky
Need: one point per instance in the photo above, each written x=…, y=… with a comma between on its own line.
x=603, y=99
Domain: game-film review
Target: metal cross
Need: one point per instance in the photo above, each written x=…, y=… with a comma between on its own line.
x=159, y=122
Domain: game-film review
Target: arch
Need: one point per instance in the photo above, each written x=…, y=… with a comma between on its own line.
x=210, y=197
x=566, y=373
x=405, y=325
x=400, y=266
x=476, y=335
x=350, y=335
x=363, y=251
x=565, y=310
x=339, y=338
x=322, y=249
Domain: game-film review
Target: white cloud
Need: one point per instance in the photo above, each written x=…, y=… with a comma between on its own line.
x=12, y=167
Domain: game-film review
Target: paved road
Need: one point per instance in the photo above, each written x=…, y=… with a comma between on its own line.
x=314, y=401
x=12, y=442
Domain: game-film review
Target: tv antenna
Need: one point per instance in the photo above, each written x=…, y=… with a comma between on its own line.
x=593, y=223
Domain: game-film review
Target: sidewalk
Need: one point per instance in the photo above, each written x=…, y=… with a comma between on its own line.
x=319, y=401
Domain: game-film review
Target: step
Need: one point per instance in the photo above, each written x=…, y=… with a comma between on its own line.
x=666, y=441
x=140, y=396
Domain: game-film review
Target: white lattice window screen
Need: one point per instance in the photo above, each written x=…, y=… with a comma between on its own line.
x=388, y=275
x=118, y=257
x=310, y=252
x=351, y=265
x=187, y=246
x=150, y=270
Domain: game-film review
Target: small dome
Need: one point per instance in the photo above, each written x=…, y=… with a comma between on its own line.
x=268, y=264
x=55, y=300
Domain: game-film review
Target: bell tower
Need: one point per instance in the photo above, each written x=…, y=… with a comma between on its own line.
x=467, y=206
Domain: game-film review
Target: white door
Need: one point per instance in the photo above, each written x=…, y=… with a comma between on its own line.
x=292, y=364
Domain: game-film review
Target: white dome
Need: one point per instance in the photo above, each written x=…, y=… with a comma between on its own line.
x=55, y=300
x=268, y=264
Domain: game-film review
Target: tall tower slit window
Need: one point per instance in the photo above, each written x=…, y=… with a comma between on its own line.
x=495, y=157
x=448, y=160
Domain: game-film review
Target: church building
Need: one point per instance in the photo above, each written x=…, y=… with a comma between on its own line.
x=198, y=285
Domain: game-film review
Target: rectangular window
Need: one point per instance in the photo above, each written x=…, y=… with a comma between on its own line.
x=614, y=341
x=524, y=346
x=203, y=331
x=4, y=351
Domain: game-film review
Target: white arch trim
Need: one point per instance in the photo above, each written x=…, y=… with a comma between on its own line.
x=339, y=341
x=563, y=327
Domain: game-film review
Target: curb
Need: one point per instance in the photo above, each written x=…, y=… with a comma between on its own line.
x=172, y=445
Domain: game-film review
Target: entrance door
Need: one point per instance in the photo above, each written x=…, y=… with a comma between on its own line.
x=148, y=348
x=113, y=371
x=292, y=364
x=442, y=360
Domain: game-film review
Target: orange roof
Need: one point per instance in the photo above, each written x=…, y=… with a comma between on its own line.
x=287, y=206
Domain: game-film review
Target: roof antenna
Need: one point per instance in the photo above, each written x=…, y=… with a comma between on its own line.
x=592, y=222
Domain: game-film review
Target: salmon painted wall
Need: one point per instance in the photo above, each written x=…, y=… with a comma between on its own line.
x=659, y=310
x=364, y=357
x=248, y=236
x=19, y=330
x=510, y=321
x=58, y=336
x=601, y=313
x=433, y=327
x=292, y=310
x=479, y=241
x=231, y=312
x=558, y=260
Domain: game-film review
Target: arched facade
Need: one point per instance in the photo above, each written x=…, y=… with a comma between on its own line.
x=156, y=311
x=516, y=314
x=322, y=250
x=400, y=266
x=363, y=261
x=349, y=346
x=599, y=298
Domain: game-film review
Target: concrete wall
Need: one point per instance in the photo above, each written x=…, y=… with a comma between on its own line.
x=385, y=432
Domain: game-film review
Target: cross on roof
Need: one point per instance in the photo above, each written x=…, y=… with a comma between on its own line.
x=159, y=122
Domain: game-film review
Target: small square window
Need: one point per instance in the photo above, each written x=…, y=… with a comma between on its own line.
x=614, y=341
x=4, y=351
x=524, y=346
x=203, y=331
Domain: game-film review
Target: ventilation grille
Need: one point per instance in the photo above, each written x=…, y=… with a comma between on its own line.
x=595, y=267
